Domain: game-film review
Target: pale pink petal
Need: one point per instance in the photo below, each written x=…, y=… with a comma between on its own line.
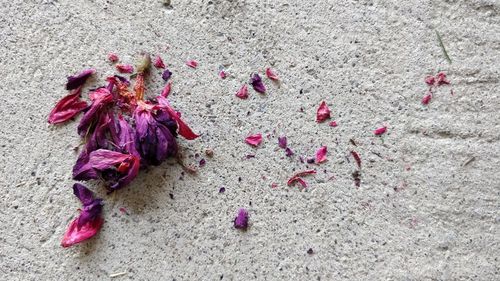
x=242, y=92
x=321, y=154
x=112, y=57
x=271, y=74
x=254, y=140
x=192, y=63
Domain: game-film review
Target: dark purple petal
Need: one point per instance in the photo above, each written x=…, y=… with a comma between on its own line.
x=241, y=221
x=282, y=142
x=82, y=170
x=257, y=83
x=78, y=80
x=126, y=137
x=166, y=75
x=289, y=152
x=83, y=193
x=202, y=162
x=92, y=207
x=222, y=190
x=100, y=99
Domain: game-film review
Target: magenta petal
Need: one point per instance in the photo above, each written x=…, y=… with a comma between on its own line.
x=166, y=90
x=356, y=157
x=380, y=131
x=67, y=107
x=241, y=220
x=430, y=80
x=254, y=140
x=426, y=99
x=441, y=79
x=192, y=63
x=321, y=154
x=112, y=57
x=257, y=83
x=282, y=143
x=184, y=129
x=322, y=113
x=271, y=74
x=242, y=92
x=158, y=63
x=102, y=159
x=124, y=68
x=78, y=80
x=75, y=234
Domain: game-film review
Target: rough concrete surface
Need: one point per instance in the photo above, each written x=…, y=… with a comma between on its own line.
x=419, y=214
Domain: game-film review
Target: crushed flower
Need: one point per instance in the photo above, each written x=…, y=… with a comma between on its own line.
x=192, y=63
x=271, y=74
x=67, y=107
x=124, y=68
x=323, y=112
x=321, y=154
x=254, y=140
x=241, y=220
x=257, y=83
x=242, y=92
x=158, y=62
x=380, y=131
x=78, y=80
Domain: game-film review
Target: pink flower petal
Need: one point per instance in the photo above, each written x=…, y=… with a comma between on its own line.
x=112, y=57
x=430, y=80
x=222, y=74
x=254, y=140
x=75, y=235
x=124, y=68
x=271, y=74
x=158, y=63
x=166, y=90
x=380, y=131
x=323, y=112
x=298, y=178
x=184, y=129
x=67, y=107
x=333, y=124
x=356, y=157
x=426, y=99
x=321, y=154
x=441, y=79
x=242, y=92
x=192, y=63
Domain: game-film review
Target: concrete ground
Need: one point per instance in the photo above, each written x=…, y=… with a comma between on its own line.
x=428, y=204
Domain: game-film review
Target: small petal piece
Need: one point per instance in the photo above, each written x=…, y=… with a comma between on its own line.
x=158, y=63
x=192, y=63
x=323, y=112
x=430, y=80
x=298, y=178
x=271, y=74
x=380, y=131
x=441, y=79
x=356, y=157
x=241, y=220
x=282, y=142
x=321, y=154
x=112, y=57
x=184, y=129
x=78, y=80
x=222, y=74
x=288, y=152
x=124, y=68
x=166, y=90
x=257, y=83
x=166, y=75
x=426, y=99
x=333, y=124
x=242, y=92
x=254, y=140
x=67, y=107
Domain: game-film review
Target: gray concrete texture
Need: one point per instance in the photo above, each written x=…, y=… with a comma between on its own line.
x=421, y=212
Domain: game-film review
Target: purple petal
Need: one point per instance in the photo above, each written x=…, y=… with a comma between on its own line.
x=100, y=99
x=166, y=75
x=282, y=142
x=92, y=207
x=241, y=221
x=289, y=152
x=83, y=193
x=257, y=83
x=78, y=80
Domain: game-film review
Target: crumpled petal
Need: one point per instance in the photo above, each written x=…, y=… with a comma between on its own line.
x=288, y=152
x=241, y=220
x=222, y=74
x=271, y=74
x=124, y=68
x=75, y=235
x=254, y=140
x=120, y=169
x=184, y=129
x=78, y=80
x=356, y=157
x=67, y=107
x=100, y=99
x=166, y=75
x=430, y=80
x=298, y=178
x=166, y=90
x=192, y=63
x=102, y=159
x=282, y=142
x=380, y=131
x=158, y=63
x=257, y=83
x=321, y=154
x=323, y=112
x=242, y=92
x=112, y=57
x=426, y=99
x=83, y=194
x=441, y=79
x=125, y=139
x=333, y=124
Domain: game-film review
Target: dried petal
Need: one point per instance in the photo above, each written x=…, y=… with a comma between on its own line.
x=100, y=99
x=192, y=63
x=426, y=99
x=242, y=92
x=202, y=162
x=271, y=74
x=298, y=178
x=124, y=68
x=333, y=124
x=356, y=157
x=380, y=131
x=321, y=154
x=222, y=190
x=75, y=234
x=184, y=129
x=254, y=140
x=158, y=63
x=166, y=90
x=323, y=112
x=430, y=80
x=166, y=75
x=282, y=142
x=222, y=74
x=257, y=83
x=112, y=57
x=67, y=107
x=288, y=152
x=441, y=79
x=78, y=80
x=241, y=220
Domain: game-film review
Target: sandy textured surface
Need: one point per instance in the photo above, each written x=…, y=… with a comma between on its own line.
x=439, y=220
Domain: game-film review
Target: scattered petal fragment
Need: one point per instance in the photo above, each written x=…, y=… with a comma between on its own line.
x=321, y=154
x=192, y=63
x=67, y=107
x=323, y=112
x=242, y=92
x=254, y=140
x=271, y=74
x=430, y=80
x=333, y=124
x=241, y=220
x=282, y=142
x=124, y=68
x=426, y=99
x=166, y=75
x=441, y=79
x=158, y=63
x=112, y=57
x=380, y=131
x=222, y=74
x=356, y=157
x=298, y=178
x=288, y=152
x=257, y=83
x=78, y=80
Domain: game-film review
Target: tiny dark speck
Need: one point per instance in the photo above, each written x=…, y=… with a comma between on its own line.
x=222, y=190
x=33, y=173
x=15, y=207
x=171, y=196
x=239, y=179
x=310, y=251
